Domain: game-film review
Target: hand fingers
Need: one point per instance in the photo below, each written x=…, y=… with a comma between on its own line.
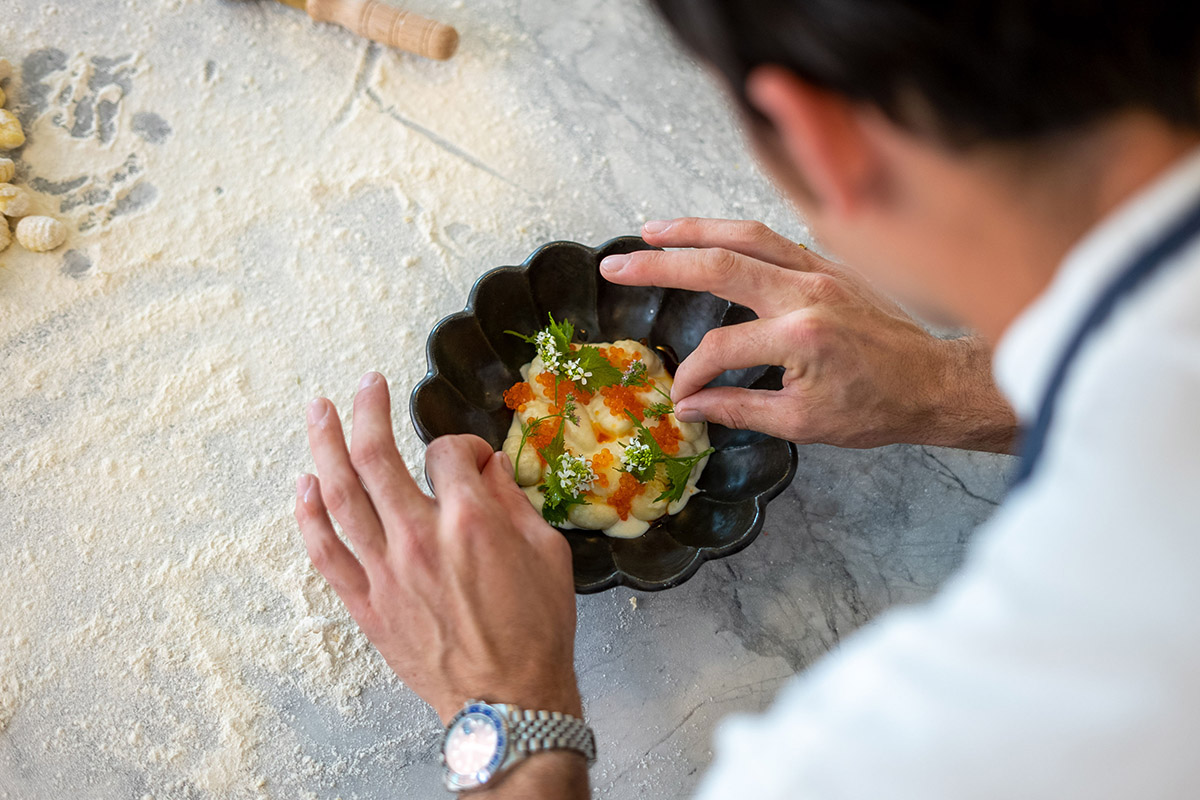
x=498, y=476
x=328, y=554
x=341, y=490
x=525, y=518
x=375, y=458
x=735, y=407
x=749, y=238
x=767, y=289
x=454, y=464
x=748, y=344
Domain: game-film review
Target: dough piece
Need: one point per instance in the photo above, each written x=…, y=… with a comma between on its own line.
x=11, y=135
x=40, y=234
x=646, y=506
x=7, y=170
x=593, y=516
x=5, y=234
x=529, y=468
x=3, y=98
x=14, y=201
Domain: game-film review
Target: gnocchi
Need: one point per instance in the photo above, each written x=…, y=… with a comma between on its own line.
x=6, y=236
x=594, y=440
x=7, y=170
x=40, y=234
x=11, y=134
x=14, y=201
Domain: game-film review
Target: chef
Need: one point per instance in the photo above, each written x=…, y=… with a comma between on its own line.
x=1029, y=169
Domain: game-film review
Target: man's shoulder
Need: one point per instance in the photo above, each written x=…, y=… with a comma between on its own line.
x=1127, y=428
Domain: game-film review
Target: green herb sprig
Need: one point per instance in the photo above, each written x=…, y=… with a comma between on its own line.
x=643, y=455
x=530, y=428
x=567, y=478
x=585, y=366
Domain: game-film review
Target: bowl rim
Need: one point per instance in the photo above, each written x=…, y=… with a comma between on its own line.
x=617, y=577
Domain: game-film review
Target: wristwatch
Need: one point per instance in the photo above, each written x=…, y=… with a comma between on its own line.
x=485, y=740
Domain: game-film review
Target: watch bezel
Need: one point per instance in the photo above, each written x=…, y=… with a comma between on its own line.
x=459, y=781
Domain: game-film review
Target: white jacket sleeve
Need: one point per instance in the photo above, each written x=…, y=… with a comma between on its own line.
x=1062, y=662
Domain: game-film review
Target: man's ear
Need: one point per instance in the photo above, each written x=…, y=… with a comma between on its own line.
x=820, y=133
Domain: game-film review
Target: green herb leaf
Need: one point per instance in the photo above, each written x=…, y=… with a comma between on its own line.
x=598, y=370
x=558, y=500
x=568, y=410
x=646, y=437
x=563, y=332
x=635, y=374
x=557, y=336
x=659, y=410
x=678, y=468
x=554, y=451
x=555, y=507
x=678, y=472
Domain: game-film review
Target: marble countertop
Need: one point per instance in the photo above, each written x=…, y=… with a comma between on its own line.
x=858, y=531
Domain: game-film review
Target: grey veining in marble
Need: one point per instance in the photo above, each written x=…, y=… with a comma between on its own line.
x=856, y=534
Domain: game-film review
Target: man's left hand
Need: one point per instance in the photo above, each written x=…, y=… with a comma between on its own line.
x=469, y=595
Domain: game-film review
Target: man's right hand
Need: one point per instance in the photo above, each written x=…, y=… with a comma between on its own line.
x=858, y=371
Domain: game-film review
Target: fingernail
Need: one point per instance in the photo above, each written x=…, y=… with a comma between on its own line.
x=304, y=485
x=317, y=410
x=614, y=264
x=504, y=460
x=370, y=379
x=686, y=414
x=656, y=226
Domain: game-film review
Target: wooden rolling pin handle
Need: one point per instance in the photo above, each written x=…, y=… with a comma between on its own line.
x=388, y=25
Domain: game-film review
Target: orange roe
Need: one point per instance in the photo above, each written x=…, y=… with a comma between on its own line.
x=543, y=433
x=622, y=498
x=546, y=380
x=620, y=399
x=518, y=395
x=619, y=357
x=667, y=436
x=553, y=387
x=600, y=462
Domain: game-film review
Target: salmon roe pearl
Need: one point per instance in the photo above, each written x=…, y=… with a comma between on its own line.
x=622, y=498
x=518, y=395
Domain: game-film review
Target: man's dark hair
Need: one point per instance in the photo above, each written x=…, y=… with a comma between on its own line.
x=964, y=71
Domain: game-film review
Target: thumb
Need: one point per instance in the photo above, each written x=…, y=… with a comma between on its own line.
x=498, y=477
x=733, y=407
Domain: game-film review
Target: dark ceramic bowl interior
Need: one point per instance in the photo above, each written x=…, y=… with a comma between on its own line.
x=472, y=361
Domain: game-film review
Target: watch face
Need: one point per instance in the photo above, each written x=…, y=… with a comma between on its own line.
x=474, y=745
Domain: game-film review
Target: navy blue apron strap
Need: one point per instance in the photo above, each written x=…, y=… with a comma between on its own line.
x=1126, y=283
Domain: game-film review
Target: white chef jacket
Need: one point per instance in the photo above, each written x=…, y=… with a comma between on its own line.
x=1063, y=660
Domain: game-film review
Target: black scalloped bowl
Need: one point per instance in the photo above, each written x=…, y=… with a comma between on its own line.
x=472, y=361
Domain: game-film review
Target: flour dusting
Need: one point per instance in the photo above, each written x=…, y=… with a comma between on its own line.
x=260, y=210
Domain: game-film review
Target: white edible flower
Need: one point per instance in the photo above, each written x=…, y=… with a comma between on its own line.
x=574, y=371
x=575, y=474
x=637, y=456
x=547, y=350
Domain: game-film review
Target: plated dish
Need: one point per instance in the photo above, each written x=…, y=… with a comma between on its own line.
x=594, y=439
x=473, y=362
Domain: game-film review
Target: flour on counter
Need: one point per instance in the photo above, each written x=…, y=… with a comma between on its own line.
x=262, y=209
x=159, y=615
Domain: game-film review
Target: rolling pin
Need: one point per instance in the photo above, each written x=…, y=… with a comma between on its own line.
x=385, y=24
